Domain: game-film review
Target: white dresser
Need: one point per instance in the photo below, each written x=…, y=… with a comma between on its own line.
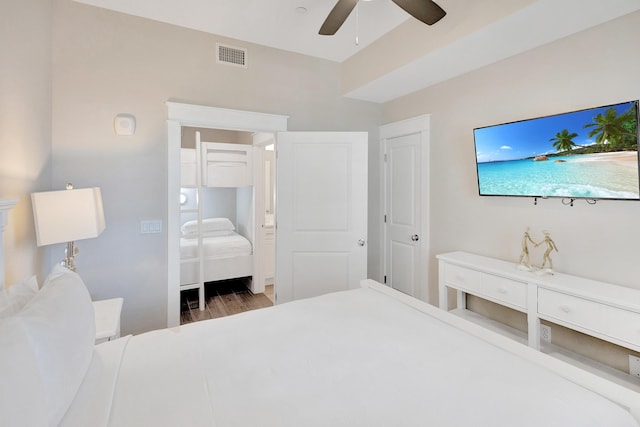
x=603, y=310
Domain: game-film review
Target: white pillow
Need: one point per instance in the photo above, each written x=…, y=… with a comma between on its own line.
x=190, y=228
x=22, y=394
x=13, y=298
x=220, y=233
x=59, y=325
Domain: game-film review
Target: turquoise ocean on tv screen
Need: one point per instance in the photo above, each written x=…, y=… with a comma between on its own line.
x=573, y=176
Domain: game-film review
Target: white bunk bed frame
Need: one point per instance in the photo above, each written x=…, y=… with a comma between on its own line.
x=214, y=164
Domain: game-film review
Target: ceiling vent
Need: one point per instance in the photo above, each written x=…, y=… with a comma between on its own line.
x=231, y=55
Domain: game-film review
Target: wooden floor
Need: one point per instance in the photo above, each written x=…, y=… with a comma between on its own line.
x=222, y=299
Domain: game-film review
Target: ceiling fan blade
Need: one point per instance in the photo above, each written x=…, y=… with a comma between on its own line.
x=423, y=10
x=337, y=16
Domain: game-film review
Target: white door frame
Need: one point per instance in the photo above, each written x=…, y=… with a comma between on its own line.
x=260, y=141
x=180, y=115
x=417, y=125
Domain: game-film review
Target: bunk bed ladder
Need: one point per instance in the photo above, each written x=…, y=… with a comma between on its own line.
x=199, y=166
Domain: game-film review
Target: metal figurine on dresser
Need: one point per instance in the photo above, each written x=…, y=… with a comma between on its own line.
x=524, y=262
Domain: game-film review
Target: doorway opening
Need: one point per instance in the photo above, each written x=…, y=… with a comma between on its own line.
x=180, y=118
x=221, y=173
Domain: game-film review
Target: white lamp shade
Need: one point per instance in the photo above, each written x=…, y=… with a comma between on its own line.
x=67, y=215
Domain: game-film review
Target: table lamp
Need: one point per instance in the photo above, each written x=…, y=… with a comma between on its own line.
x=66, y=216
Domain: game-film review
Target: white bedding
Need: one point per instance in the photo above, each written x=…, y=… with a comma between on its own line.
x=354, y=358
x=218, y=247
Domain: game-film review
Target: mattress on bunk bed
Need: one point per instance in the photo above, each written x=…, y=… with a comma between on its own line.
x=216, y=247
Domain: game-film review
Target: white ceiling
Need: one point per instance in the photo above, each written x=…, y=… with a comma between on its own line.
x=542, y=22
x=279, y=24
x=273, y=23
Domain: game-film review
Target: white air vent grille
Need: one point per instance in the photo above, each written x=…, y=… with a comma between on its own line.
x=231, y=55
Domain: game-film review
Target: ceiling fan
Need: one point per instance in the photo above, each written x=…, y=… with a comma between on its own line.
x=423, y=10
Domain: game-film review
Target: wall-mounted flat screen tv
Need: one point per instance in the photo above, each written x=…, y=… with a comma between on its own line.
x=590, y=154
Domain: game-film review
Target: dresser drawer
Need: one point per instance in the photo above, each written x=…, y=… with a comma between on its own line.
x=622, y=324
x=489, y=286
x=464, y=278
x=505, y=290
x=573, y=310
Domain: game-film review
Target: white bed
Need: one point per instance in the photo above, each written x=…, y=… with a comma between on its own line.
x=225, y=257
x=364, y=357
x=223, y=253
x=231, y=245
x=223, y=165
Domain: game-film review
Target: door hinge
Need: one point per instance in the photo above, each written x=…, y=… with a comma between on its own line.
x=385, y=280
x=385, y=157
x=385, y=219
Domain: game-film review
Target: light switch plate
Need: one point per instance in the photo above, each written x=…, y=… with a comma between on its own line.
x=151, y=227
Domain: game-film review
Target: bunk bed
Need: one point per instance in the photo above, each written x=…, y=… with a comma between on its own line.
x=212, y=249
x=226, y=253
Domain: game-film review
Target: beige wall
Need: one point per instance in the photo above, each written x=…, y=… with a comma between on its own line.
x=596, y=67
x=393, y=51
x=106, y=63
x=101, y=63
x=25, y=124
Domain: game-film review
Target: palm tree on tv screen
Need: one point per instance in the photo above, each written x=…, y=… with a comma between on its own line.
x=618, y=130
x=563, y=141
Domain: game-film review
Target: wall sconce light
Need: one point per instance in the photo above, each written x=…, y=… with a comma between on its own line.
x=124, y=124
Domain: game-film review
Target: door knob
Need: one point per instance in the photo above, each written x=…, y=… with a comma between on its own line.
x=415, y=237
x=361, y=242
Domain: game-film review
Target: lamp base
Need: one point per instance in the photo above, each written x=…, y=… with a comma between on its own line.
x=70, y=252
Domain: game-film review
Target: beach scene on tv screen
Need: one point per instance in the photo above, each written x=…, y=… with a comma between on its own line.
x=584, y=154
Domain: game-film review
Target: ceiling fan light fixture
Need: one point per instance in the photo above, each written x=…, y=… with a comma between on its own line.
x=426, y=11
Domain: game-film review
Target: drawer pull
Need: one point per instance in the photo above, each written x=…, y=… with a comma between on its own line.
x=565, y=309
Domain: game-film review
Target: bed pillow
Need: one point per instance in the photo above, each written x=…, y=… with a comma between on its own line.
x=23, y=400
x=16, y=296
x=190, y=228
x=220, y=233
x=59, y=324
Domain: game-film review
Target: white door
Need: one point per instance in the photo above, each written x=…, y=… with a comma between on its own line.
x=403, y=212
x=321, y=208
x=405, y=205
